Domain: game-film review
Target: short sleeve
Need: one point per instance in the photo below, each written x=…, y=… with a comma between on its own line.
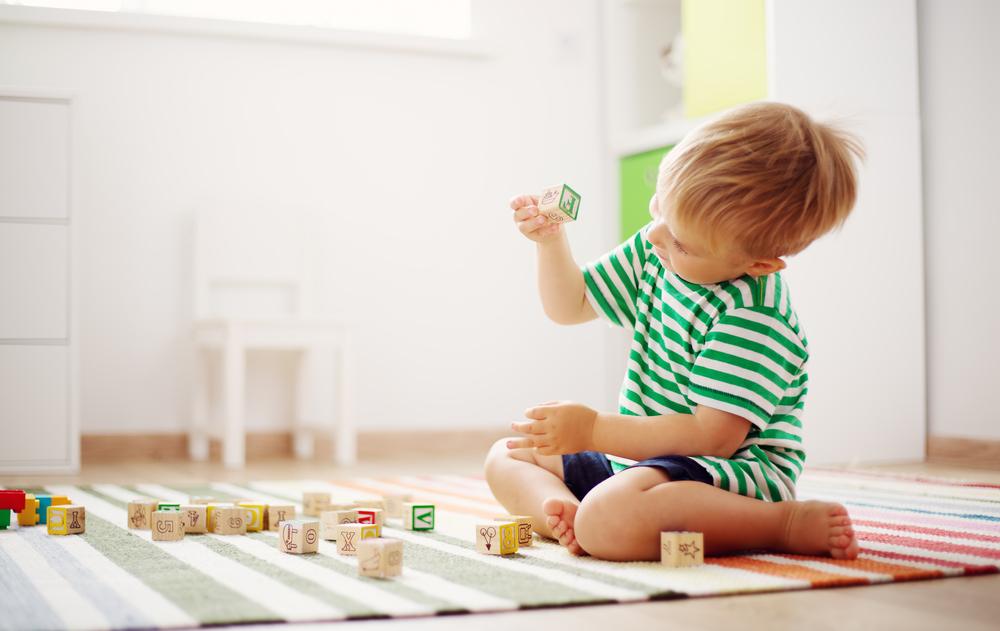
x=750, y=362
x=612, y=281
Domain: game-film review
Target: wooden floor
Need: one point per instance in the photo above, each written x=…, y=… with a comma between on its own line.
x=971, y=603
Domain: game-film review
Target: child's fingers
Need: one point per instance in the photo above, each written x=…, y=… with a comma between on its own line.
x=530, y=226
x=527, y=428
x=523, y=200
x=525, y=212
x=518, y=443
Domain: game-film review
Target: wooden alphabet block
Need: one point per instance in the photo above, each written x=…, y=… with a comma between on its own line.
x=277, y=513
x=140, y=514
x=682, y=549
x=67, y=519
x=524, y=528
x=350, y=535
x=168, y=506
x=28, y=516
x=230, y=520
x=330, y=519
x=314, y=503
x=496, y=537
x=394, y=504
x=418, y=516
x=298, y=536
x=167, y=525
x=254, y=515
x=194, y=518
x=380, y=558
x=559, y=203
x=371, y=516
x=210, y=511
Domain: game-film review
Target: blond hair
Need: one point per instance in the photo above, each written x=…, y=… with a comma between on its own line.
x=764, y=178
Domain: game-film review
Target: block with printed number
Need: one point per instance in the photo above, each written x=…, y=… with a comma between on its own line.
x=371, y=516
x=313, y=503
x=350, y=535
x=496, y=537
x=140, y=514
x=194, y=518
x=277, y=513
x=330, y=519
x=230, y=520
x=28, y=516
x=298, y=536
x=67, y=519
x=394, y=504
x=559, y=203
x=682, y=549
x=524, y=528
x=380, y=558
x=418, y=516
x=167, y=525
x=254, y=515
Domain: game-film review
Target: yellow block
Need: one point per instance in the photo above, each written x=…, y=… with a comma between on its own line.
x=29, y=516
x=255, y=515
x=66, y=519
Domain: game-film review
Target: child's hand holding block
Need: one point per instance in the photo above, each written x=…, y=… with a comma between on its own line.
x=350, y=535
x=380, y=558
x=67, y=519
x=559, y=203
x=524, y=528
x=230, y=520
x=167, y=525
x=682, y=549
x=330, y=519
x=194, y=518
x=496, y=537
x=418, y=516
x=298, y=536
x=277, y=513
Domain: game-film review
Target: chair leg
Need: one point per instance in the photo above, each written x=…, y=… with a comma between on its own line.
x=198, y=435
x=234, y=432
x=346, y=446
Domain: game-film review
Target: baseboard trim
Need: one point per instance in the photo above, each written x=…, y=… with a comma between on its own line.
x=967, y=452
x=109, y=448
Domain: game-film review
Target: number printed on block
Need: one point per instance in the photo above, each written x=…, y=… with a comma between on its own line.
x=230, y=520
x=298, y=536
x=68, y=519
x=524, y=528
x=496, y=537
x=194, y=518
x=277, y=513
x=418, y=516
x=167, y=525
x=682, y=549
x=380, y=558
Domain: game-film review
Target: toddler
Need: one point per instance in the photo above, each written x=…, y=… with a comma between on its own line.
x=708, y=434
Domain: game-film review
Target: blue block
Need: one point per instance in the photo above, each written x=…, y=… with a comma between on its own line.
x=44, y=501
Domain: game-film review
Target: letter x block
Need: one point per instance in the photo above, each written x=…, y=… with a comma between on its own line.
x=350, y=535
x=194, y=517
x=68, y=519
x=418, y=516
x=682, y=549
x=496, y=537
x=524, y=528
x=167, y=525
x=559, y=203
x=230, y=520
x=277, y=513
x=298, y=536
x=380, y=558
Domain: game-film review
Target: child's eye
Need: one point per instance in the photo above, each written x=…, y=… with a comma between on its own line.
x=680, y=248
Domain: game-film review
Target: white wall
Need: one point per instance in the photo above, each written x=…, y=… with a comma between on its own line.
x=959, y=91
x=410, y=157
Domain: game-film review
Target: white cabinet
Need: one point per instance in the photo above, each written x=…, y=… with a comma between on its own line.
x=39, y=425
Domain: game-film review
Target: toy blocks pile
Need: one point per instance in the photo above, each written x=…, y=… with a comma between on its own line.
x=56, y=512
x=170, y=521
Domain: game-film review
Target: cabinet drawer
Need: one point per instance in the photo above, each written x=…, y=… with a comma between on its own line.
x=34, y=281
x=35, y=422
x=34, y=158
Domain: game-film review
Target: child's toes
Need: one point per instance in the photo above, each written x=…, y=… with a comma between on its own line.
x=553, y=520
x=559, y=529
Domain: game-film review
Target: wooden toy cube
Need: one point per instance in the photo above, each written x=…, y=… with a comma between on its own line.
x=168, y=506
x=314, y=503
x=380, y=558
x=12, y=499
x=682, y=549
x=524, y=528
x=167, y=525
x=394, y=504
x=28, y=516
x=4, y=518
x=254, y=515
x=277, y=513
x=298, y=536
x=230, y=520
x=559, y=203
x=371, y=516
x=350, y=535
x=330, y=519
x=418, y=516
x=496, y=537
x=140, y=514
x=194, y=518
x=211, y=510
x=66, y=519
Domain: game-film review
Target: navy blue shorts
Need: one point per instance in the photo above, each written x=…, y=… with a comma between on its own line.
x=585, y=470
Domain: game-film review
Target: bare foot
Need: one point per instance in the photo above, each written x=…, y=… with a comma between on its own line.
x=820, y=528
x=560, y=515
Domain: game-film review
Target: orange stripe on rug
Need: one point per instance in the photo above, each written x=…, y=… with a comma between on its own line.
x=897, y=571
x=798, y=572
x=456, y=508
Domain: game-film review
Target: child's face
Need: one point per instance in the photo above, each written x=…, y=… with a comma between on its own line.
x=685, y=252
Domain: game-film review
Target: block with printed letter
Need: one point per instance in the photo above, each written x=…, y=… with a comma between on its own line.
x=496, y=537
x=66, y=519
x=12, y=499
x=298, y=536
x=418, y=516
x=682, y=549
x=167, y=525
x=255, y=514
x=350, y=535
x=194, y=518
x=559, y=203
x=277, y=513
x=380, y=558
x=371, y=516
x=330, y=519
x=230, y=520
x=28, y=516
x=394, y=504
x=210, y=511
x=140, y=514
x=313, y=503
x=168, y=506
x=524, y=528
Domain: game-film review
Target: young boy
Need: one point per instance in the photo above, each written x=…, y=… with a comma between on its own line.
x=708, y=434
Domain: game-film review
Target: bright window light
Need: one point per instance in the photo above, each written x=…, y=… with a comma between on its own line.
x=450, y=19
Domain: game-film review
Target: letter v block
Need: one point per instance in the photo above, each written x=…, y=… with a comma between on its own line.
x=418, y=516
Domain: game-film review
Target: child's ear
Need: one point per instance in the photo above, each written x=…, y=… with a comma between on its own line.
x=763, y=267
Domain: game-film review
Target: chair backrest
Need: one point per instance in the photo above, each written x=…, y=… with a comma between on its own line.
x=252, y=264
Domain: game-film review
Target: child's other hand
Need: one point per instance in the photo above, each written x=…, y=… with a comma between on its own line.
x=531, y=222
x=557, y=427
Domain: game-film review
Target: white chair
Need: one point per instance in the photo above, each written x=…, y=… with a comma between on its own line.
x=252, y=291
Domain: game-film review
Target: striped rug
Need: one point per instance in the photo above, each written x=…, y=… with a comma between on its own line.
x=110, y=578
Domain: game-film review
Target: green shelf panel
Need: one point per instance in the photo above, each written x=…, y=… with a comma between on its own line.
x=637, y=184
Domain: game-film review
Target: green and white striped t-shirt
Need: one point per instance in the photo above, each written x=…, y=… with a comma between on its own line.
x=735, y=346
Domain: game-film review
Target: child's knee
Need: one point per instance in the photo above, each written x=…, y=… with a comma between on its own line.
x=498, y=454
